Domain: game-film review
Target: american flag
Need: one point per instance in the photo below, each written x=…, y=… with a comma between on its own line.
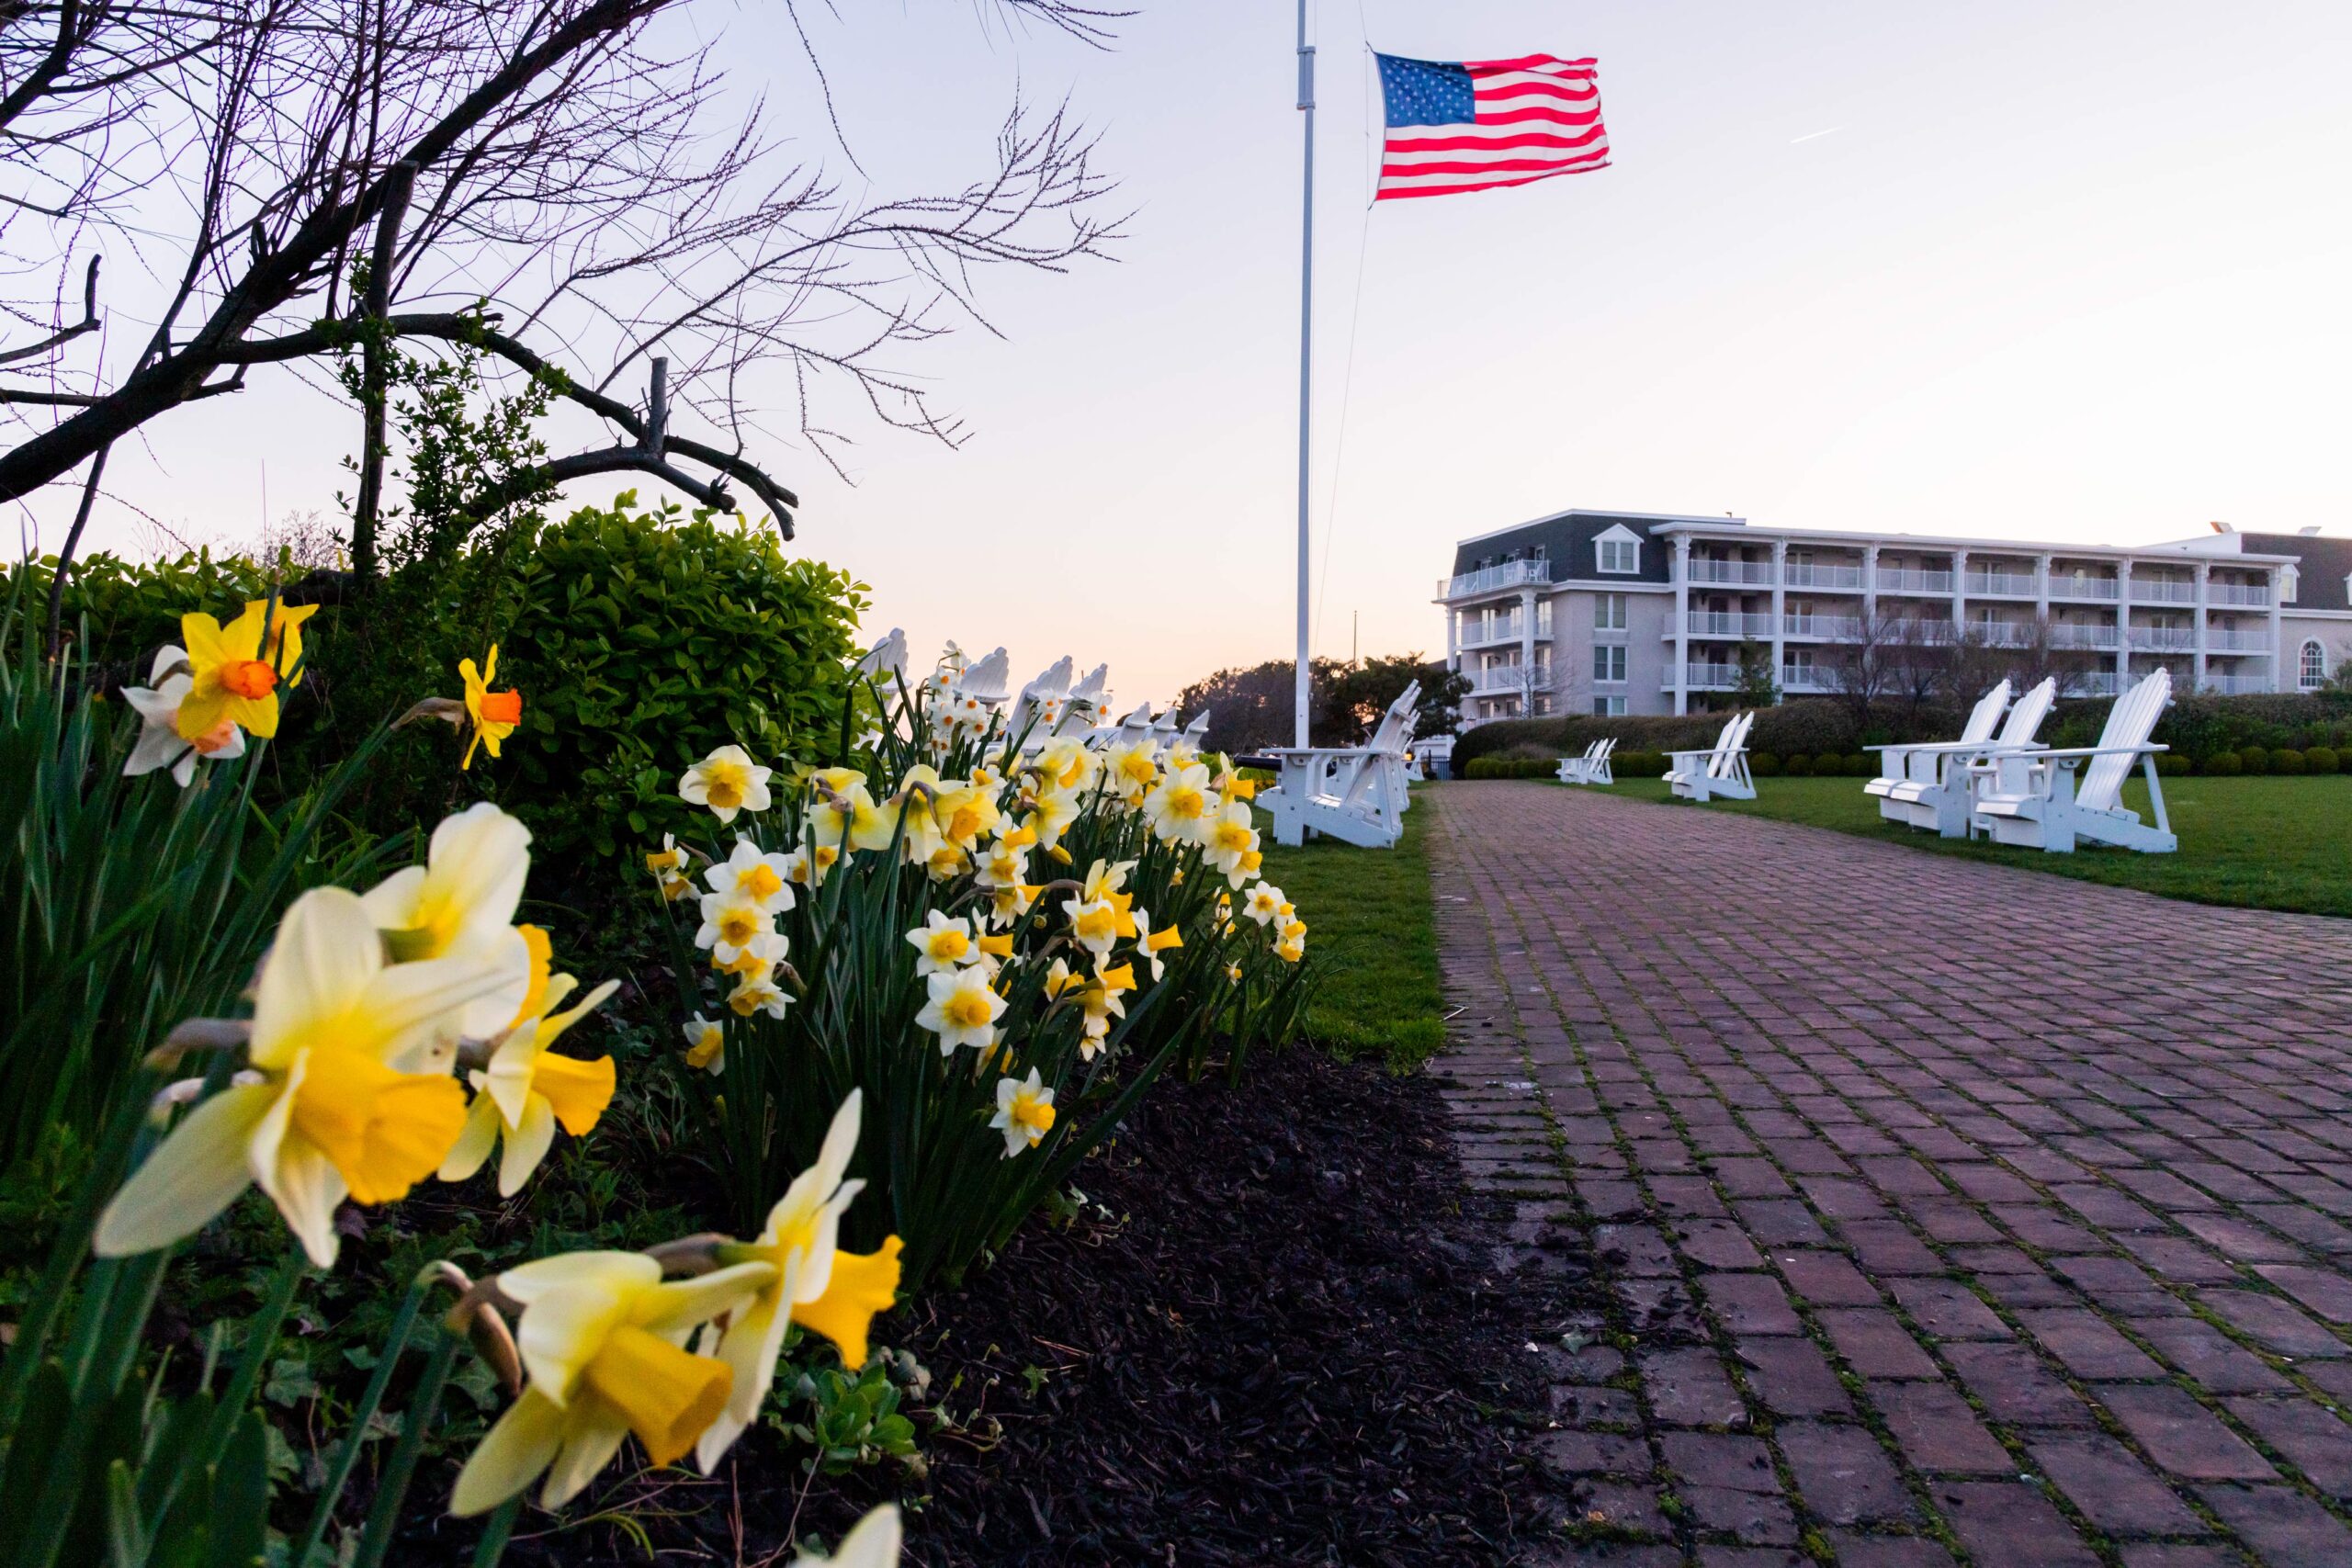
x=1479, y=123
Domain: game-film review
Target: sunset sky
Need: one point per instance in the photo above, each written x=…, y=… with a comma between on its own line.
x=2074, y=273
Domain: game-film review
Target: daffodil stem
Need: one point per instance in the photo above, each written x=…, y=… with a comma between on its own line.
x=495, y=1533
x=387, y=1359
x=423, y=1405
x=261, y=1338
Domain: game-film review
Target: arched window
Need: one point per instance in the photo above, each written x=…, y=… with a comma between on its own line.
x=2314, y=672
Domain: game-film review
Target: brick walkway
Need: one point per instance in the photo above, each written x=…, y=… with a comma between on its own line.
x=1945, y=1210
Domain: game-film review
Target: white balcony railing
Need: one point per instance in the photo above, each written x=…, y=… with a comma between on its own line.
x=1800, y=575
x=2003, y=633
x=2015, y=584
x=1494, y=578
x=2236, y=642
x=2063, y=635
x=1905, y=579
x=1828, y=628
x=1719, y=623
x=2164, y=639
x=2161, y=591
x=2085, y=587
x=1511, y=679
x=2092, y=684
x=1703, y=677
x=1480, y=633
x=2257, y=593
x=1807, y=678
x=2236, y=685
x=1757, y=572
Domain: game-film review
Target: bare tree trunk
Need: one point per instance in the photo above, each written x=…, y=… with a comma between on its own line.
x=375, y=377
x=65, y=555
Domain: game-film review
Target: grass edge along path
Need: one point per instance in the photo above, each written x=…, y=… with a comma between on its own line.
x=1373, y=934
x=2257, y=844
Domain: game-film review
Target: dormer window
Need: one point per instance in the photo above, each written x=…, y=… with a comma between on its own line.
x=1618, y=552
x=2288, y=581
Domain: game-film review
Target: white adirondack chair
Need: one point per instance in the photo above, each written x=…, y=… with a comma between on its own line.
x=1197, y=731
x=1935, y=794
x=1720, y=770
x=1356, y=794
x=1894, y=761
x=1051, y=686
x=1593, y=767
x=2033, y=798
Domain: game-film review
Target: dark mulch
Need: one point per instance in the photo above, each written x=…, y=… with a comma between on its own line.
x=1275, y=1334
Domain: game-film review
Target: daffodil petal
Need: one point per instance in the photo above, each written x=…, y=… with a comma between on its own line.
x=526, y=1145
x=592, y=1431
x=473, y=1145
x=325, y=954
x=875, y=1542
x=611, y=1272
x=510, y=1456
x=675, y=1306
x=197, y=1171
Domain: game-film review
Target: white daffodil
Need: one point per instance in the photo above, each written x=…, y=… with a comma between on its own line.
x=727, y=781
x=943, y=945
x=842, y=806
x=1064, y=767
x=460, y=904
x=1181, y=806
x=1155, y=942
x=873, y=1542
x=1134, y=768
x=1049, y=817
x=160, y=742
x=667, y=865
x=529, y=1089
x=963, y=1009
x=333, y=1106
x=758, y=993
x=754, y=876
x=831, y=1292
x=1232, y=838
x=1024, y=1112
x=603, y=1337
x=1265, y=903
x=806, y=868
x=706, y=1043
x=730, y=923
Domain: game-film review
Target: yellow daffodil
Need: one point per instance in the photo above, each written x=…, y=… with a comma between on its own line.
x=160, y=742
x=828, y=1292
x=1024, y=1112
x=1232, y=837
x=283, y=647
x=1231, y=785
x=727, y=781
x=758, y=956
x=603, y=1338
x=1063, y=766
x=331, y=1106
x=705, y=1044
x=1009, y=903
x=1156, y=943
x=842, y=806
x=873, y=1543
x=1049, y=817
x=667, y=865
x=758, y=993
x=529, y=1090
x=996, y=947
x=962, y=1010
x=1181, y=807
x=227, y=676
x=1061, y=978
x=806, y=868
x=730, y=923
x=1290, y=951
x=941, y=945
x=1134, y=769
x=495, y=714
x=963, y=812
x=460, y=903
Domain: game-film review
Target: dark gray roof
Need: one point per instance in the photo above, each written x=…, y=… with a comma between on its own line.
x=2322, y=567
x=1566, y=541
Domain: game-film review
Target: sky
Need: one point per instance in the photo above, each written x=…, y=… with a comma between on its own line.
x=2005, y=270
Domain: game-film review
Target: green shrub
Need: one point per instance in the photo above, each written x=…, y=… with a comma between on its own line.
x=1764, y=765
x=1798, y=767
x=2285, y=759
x=2223, y=764
x=2171, y=764
x=1858, y=765
x=2255, y=760
x=1513, y=768
x=2321, y=759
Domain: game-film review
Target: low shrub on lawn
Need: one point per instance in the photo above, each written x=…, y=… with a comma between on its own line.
x=2321, y=759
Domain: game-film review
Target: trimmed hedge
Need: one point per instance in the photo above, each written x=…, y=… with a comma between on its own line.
x=2323, y=760
x=1513, y=768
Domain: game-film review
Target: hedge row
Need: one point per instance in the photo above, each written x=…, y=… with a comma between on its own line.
x=1521, y=764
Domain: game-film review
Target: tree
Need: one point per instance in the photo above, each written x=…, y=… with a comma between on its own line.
x=556, y=185
x=1897, y=658
x=1252, y=708
x=1758, y=685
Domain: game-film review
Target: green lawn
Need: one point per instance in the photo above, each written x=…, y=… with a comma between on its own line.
x=2272, y=844
x=1370, y=930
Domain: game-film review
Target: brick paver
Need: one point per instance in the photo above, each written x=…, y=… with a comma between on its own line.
x=1941, y=1211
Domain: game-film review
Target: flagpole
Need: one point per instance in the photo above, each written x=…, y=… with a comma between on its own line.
x=1306, y=344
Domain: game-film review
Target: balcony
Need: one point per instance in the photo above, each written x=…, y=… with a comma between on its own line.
x=2098, y=588
x=1510, y=679
x=2164, y=639
x=2004, y=584
x=2161, y=591
x=1727, y=624
x=2256, y=595
x=1703, y=678
x=1500, y=631
x=2003, y=633
x=1905, y=579
x=1750, y=574
x=1826, y=629
x=2062, y=635
x=2092, y=684
x=1807, y=678
x=1800, y=574
x=2236, y=642
x=1495, y=578
x=2237, y=686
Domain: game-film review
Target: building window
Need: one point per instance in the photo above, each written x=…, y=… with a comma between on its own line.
x=1608, y=707
x=1609, y=662
x=1542, y=617
x=1618, y=550
x=2314, y=666
x=2289, y=582
x=1609, y=612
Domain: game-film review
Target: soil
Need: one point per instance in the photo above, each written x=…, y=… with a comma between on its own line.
x=1275, y=1333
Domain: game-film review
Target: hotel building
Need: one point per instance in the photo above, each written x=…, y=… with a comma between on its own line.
x=1644, y=613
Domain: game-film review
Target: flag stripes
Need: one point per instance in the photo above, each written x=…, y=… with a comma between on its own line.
x=1479, y=124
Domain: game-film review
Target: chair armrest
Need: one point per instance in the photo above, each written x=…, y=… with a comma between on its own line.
x=2144, y=749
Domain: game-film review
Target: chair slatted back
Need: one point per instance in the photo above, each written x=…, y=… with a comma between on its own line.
x=1397, y=724
x=2025, y=718
x=2129, y=722
x=1727, y=748
x=1986, y=713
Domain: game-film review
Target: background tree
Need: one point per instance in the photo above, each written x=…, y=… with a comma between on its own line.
x=1250, y=707
x=558, y=186
x=1759, y=684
